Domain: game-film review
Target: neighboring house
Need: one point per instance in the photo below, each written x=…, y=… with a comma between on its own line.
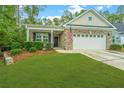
x=118, y=35
x=89, y=30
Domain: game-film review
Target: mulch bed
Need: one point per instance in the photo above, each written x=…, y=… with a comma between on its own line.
x=1, y=58
x=26, y=54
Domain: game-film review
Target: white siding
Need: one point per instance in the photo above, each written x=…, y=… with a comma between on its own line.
x=122, y=39
x=96, y=21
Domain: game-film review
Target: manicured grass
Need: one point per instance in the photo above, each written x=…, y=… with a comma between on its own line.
x=60, y=70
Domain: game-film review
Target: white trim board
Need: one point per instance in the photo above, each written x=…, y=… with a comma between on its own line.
x=54, y=29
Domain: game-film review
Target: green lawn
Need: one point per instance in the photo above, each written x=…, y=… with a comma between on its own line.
x=60, y=70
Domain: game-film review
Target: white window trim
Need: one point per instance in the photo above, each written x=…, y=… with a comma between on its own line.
x=41, y=38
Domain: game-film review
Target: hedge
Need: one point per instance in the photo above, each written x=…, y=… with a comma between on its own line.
x=32, y=49
x=115, y=47
x=46, y=45
x=37, y=45
x=15, y=45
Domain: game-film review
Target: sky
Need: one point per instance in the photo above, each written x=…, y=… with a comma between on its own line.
x=52, y=11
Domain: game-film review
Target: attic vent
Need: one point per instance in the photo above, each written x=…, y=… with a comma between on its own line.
x=90, y=18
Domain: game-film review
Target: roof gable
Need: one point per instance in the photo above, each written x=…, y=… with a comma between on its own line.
x=97, y=19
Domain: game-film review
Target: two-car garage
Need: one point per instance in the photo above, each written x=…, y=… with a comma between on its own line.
x=89, y=41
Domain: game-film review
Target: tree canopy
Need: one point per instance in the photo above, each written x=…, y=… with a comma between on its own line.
x=7, y=22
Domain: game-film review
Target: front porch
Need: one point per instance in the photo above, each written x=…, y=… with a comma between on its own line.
x=49, y=34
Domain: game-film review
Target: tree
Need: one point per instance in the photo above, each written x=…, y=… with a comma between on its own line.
x=113, y=18
x=44, y=20
x=67, y=16
x=18, y=16
x=32, y=12
x=120, y=9
x=78, y=13
x=106, y=13
x=7, y=22
x=120, y=18
x=40, y=21
x=17, y=36
x=49, y=22
x=56, y=21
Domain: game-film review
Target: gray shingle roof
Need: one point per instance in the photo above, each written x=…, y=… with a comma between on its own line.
x=119, y=26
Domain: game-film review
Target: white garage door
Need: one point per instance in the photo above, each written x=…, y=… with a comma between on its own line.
x=87, y=41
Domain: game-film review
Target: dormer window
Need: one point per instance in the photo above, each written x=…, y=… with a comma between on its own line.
x=90, y=18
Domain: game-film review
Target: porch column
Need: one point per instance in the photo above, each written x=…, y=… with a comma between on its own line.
x=52, y=42
x=27, y=35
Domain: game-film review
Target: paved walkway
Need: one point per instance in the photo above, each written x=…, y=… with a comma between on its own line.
x=112, y=58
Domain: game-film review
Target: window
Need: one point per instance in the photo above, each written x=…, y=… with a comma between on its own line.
x=78, y=35
x=82, y=35
x=101, y=36
x=74, y=35
x=90, y=35
x=90, y=18
x=43, y=37
x=94, y=35
x=38, y=37
x=98, y=35
x=86, y=35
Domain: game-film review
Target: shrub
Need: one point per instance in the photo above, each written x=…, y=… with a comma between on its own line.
x=15, y=45
x=16, y=51
x=27, y=45
x=116, y=47
x=32, y=49
x=123, y=45
x=48, y=45
x=37, y=45
x=1, y=53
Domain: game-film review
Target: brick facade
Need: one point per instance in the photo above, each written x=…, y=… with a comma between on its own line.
x=68, y=39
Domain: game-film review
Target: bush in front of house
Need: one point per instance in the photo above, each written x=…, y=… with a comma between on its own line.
x=32, y=49
x=15, y=45
x=115, y=47
x=123, y=45
x=28, y=45
x=16, y=51
x=37, y=45
x=46, y=45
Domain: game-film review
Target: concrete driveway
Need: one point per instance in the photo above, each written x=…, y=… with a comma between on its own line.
x=112, y=58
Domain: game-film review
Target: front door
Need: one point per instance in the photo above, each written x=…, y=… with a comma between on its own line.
x=55, y=41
